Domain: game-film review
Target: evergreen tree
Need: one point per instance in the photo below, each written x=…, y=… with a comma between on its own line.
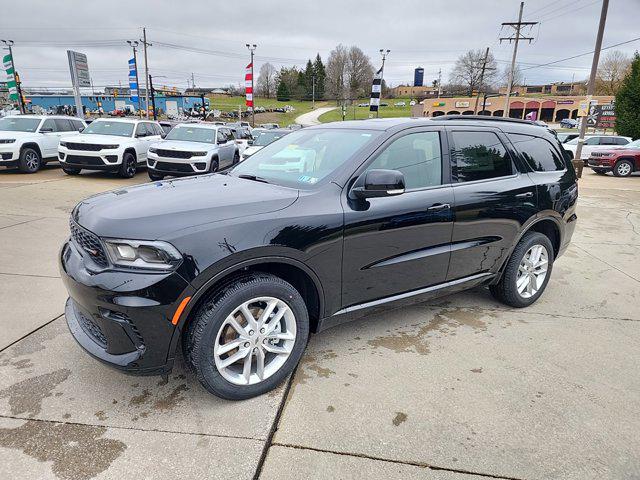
x=628, y=102
x=308, y=80
x=321, y=75
x=282, y=93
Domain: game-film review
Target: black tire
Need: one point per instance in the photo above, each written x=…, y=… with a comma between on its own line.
x=623, y=168
x=71, y=170
x=215, y=165
x=200, y=337
x=155, y=176
x=599, y=171
x=129, y=166
x=236, y=157
x=506, y=290
x=30, y=160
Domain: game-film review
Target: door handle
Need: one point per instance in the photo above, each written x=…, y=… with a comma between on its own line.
x=439, y=206
x=525, y=195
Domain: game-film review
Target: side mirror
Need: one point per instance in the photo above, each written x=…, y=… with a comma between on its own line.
x=568, y=154
x=163, y=135
x=379, y=183
x=46, y=130
x=221, y=142
x=141, y=135
x=249, y=142
x=80, y=129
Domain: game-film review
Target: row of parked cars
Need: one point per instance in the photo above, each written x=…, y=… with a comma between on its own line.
x=122, y=145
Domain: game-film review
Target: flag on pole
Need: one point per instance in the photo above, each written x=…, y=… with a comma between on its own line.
x=7, y=63
x=376, y=88
x=133, y=81
x=248, y=85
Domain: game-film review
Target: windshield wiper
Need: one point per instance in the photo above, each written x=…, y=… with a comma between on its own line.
x=255, y=178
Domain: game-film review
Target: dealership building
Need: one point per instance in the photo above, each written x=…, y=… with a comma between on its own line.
x=548, y=109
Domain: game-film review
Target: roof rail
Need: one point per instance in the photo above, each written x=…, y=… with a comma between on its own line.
x=485, y=118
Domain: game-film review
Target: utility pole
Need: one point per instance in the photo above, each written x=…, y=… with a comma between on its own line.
x=384, y=54
x=16, y=77
x=146, y=44
x=484, y=66
x=134, y=44
x=193, y=81
x=577, y=161
x=439, y=82
x=153, y=99
x=251, y=48
x=516, y=38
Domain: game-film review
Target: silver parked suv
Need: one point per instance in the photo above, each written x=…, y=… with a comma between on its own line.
x=190, y=149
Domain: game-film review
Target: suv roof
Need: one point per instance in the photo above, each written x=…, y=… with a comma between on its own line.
x=41, y=117
x=125, y=120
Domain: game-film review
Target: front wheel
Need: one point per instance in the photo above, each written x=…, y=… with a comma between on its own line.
x=236, y=157
x=527, y=272
x=248, y=337
x=29, y=161
x=129, y=166
x=623, y=168
x=155, y=176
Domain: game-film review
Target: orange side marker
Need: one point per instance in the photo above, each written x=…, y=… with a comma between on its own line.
x=179, y=310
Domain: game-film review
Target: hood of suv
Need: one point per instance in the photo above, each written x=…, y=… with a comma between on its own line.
x=180, y=145
x=18, y=135
x=153, y=210
x=97, y=139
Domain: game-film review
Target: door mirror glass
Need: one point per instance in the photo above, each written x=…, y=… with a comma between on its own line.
x=379, y=183
x=46, y=130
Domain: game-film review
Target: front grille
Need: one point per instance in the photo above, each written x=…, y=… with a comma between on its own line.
x=84, y=160
x=174, y=167
x=92, y=329
x=89, y=242
x=596, y=154
x=173, y=153
x=88, y=147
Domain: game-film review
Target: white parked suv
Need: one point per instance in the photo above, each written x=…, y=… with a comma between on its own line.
x=595, y=142
x=30, y=141
x=117, y=145
x=192, y=148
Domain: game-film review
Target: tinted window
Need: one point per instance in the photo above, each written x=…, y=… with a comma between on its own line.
x=141, y=130
x=157, y=129
x=64, y=125
x=192, y=134
x=50, y=125
x=539, y=154
x=77, y=124
x=478, y=156
x=621, y=141
x=417, y=156
x=590, y=141
x=221, y=136
x=106, y=127
x=607, y=141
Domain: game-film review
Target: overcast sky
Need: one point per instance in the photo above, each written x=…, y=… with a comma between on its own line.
x=423, y=33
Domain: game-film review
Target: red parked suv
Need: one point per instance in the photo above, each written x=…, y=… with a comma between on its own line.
x=622, y=161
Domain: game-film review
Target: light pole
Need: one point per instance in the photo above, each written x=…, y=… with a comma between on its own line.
x=251, y=48
x=145, y=45
x=16, y=78
x=384, y=54
x=313, y=92
x=134, y=44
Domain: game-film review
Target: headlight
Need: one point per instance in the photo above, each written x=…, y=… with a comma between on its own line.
x=7, y=140
x=153, y=150
x=110, y=147
x=198, y=154
x=143, y=254
x=62, y=144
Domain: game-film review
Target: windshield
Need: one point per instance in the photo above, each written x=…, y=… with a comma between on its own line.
x=634, y=144
x=192, y=134
x=13, y=124
x=119, y=129
x=265, y=138
x=303, y=158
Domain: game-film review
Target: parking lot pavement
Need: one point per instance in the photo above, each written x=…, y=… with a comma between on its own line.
x=461, y=387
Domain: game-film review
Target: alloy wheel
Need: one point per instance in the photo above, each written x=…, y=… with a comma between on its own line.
x=31, y=160
x=532, y=271
x=255, y=340
x=131, y=167
x=624, y=169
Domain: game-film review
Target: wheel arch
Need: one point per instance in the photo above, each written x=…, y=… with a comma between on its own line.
x=130, y=150
x=631, y=160
x=33, y=145
x=300, y=276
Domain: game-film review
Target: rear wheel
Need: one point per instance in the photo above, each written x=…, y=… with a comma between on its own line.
x=30, y=160
x=623, y=168
x=129, y=165
x=248, y=337
x=527, y=272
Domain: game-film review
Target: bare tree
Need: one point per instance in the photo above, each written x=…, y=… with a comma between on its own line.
x=359, y=73
x=518, y=77
x=266, y=85
x=336, y=71
x=611, y=72
x=468, y=70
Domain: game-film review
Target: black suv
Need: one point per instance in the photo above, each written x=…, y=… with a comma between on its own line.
x=319, y=227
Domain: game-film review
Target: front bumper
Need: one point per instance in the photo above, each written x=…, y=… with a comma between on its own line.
x=119, y=317
x=90, y=160
x=178, y=167
x=8, y=155
x=599, y=163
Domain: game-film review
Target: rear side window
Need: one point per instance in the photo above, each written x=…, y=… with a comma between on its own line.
x=63, y=125
x=479, y=156
x=77, y=124
x=539, y=154
x=621, y=141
